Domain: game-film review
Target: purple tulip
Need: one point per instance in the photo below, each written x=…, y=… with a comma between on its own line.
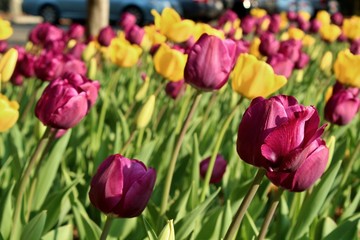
x=248, y=24
x=74, y=65
x=315, y=26
x=175, y=89
x=44, y=33
x=355, y=47
x=122, y=186
x=291, y=15
x=48, y=66
x=127, y=21
x=210, y=62
x=26, y=65
x=17, y=79
x=278, y=133
x=337, y=18
x=76, y=31
x=135, y=34
x=218, y=171
x=302, y=61
x=77, y=50
x=106, y=34
x=343, y=105
x=66, y=101
x=291, y=49
x=269, y=45
x=274, y=25
x=303, y=23
x=3, y=46
x=307, y=173
x=227, y=16
x=242, y=46
x=281, y=64
x=342, y=37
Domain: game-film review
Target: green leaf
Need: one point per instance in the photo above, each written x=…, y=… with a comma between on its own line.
x=195, y=170
x=313, y=203
x=227, y=218
x=61, y=233
x=324, y=227
x=34, y=229
x=5, y=224
x=48, y=171
x=346, y=230
x=349, y=210
x=146, y=151
x=186, y=225
x=149, y=230
x=86, y=227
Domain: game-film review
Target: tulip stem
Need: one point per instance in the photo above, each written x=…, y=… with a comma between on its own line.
x=270, y=214
x=128, y=141
x=220, y=137
x=172, y=164
x=349, y=165
x=106, y=228
x=235, y=224
x=44, y=141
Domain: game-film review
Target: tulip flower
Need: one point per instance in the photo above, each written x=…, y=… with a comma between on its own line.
x=351, y=27
x=227, y=16
x=106, y=34
x=291, y=15
x=308, y=41
x=269, y=45
x=248, y=24
x=66, y=101
x=170, y=63
x=303, y=24
x=202, y=28
x=3, y=46
x=253, y=78
x=315, y=26
x=127, y=21
x=26, y=65
x=307, y=173
x=326, y=61
x=209, y=63
x=343, y=104
x=122, y=187
x=258, y=12
x=346, y=68
x=355, y=47
x=254, y=47
x=337, y=18
x=330, y=32
x=7, y=64
x=168, y=232
x=74, y=65
x=5, y=29
x=323, y=17
x=9, y=113
x=146, y=112
x=296, y=33
x=123, y=53
x=172, y=26
x=44, y=33
x=135, y=35
x=49, y=66
x=17, y=79
x=281, y=65
x=153, y=35
x=175, y=89
x=218, y=171
x=302, y=61
x=278, y=134
x=275, y=22
x=291, y=49
x=76, y=31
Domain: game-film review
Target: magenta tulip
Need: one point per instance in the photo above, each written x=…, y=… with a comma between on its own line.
x=302, y=61
x=135, y=34
x=122, y=186
x=248, y=24
x=127, y=21
x=218, y=171
x=337, y=18
x=175, y=89
x=66, y=101
x=281, y=64
x=26, y=66
x=274, y=25
x=278, y=133
x=3, y=46
x=48, y=66
x=355, y=47
x=210, y=62
x=76, y=31
x=74, y=65
x=315, y=25
x=106, y=34
x=269, y=45
x=291, y=49
x=343, y=105
x=291, y=15
x=227, y=16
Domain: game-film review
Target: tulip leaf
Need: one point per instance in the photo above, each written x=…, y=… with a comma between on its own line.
x=346, y=230
x=7, y=208
x=313, y=203
x=349, y=210
x=209, y=225
x=186, y=225
x=149, y=230
x=195, y=170
x=34, y=229
x=61, y=233
x=48, y=171
x=86, y=227
x=146, y=151
x=226, y=219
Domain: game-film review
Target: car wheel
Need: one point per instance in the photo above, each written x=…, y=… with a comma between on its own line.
x=137, y=13
x=49, y=13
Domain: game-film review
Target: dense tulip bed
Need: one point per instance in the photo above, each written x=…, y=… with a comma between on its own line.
x=182, y=130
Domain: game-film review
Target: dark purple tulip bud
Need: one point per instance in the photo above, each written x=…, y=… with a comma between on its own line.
x=76, y=31
x=281, y=64
x=291, y=15
x=3, y=46
x=302, y=61
x=127, y=21
x=48, y=66
x=66, y=101
x=307, y=173
x=21, y=52
x=122, y=186
x=274, y=25
x=342, y=38
x=210, y=73
x=291, y=49
x=77, y=50
x=303, y=24
x=227, y=16
x=355, y=47
x=135, y=35
x=175, y=89
x=337, y=18
x=343, y=104
x=74, y=65
x=44, y=33
x=315, y=26
x=26, y=66
x=57, y=47
x=17, y=79
x=269, y=45
x=248, y=24
x=218, y=171
x=154, y=49
x=105, y=36
x=278, y=133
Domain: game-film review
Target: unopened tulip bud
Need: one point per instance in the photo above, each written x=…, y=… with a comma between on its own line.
x=168, y=232
x=141, y=94
x=92, y=69
x=9, y=113
x=326, y=61
x=7, y=64
x=89, y=51
x=218, y=170
x=146, y=113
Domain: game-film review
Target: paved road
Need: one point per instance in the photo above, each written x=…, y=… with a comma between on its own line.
x=21, y=33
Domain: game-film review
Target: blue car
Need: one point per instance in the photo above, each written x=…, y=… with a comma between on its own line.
x=53, y=10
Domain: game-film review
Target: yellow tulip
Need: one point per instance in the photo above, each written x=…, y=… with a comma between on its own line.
x=92, y=69
x=141, y=94
x=146, y=112
x=258, y=12
x=154, y=36
x=296, y=33
x=347, y=69
x=89, y=51
x=308, y=41
x=284, y=22
x=7, y=64
x=201, y=28
x=330, y=32
x=328, y=93
x=170, y=63
x=305, y=15
x=265, y=24
x=172, y=26
x=5, y=29
x=351, y=27
x=326, y=61
x=9, y=113
x=123, y=53
x=254, y=78
x=323, y=17
x=254, y=47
